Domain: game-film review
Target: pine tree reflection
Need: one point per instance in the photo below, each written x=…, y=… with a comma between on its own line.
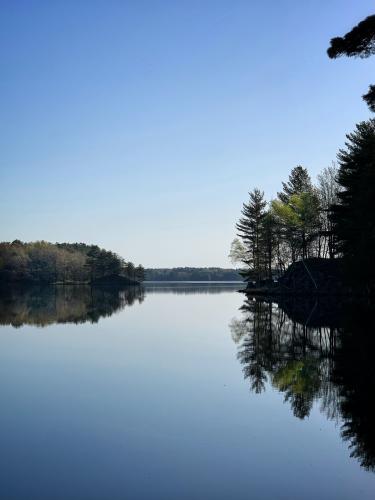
x=314, y=351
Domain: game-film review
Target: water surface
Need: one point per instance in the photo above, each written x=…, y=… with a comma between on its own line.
x=184, y=391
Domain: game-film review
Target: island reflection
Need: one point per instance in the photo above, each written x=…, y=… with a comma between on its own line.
x=45, y=305
x=314, y=351
x=192, y=287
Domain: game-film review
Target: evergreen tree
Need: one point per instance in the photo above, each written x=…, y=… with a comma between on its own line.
x=250, y=231
x=353, y=215
x=299, y=182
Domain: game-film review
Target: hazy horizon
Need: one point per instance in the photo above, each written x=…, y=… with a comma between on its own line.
x=141, y=126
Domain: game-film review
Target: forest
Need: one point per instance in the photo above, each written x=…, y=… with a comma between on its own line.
x=193, y=274
x=43, y=262
x=330, y=219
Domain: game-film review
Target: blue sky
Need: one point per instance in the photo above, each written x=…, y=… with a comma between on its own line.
x=141, y=125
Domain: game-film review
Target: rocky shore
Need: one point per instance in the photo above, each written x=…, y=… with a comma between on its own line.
x=308, y=277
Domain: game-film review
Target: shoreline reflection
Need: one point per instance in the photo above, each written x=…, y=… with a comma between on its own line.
x=43, y=306
x=314, y=351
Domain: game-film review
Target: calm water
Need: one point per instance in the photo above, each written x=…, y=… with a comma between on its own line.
x=184, y=392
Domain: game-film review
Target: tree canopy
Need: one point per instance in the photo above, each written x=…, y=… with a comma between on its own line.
x=359, y=42
x=45, y=262
x=293, y=226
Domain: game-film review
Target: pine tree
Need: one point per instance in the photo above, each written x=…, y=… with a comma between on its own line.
x=299, y=182
x=353, y=216
x=250, y=231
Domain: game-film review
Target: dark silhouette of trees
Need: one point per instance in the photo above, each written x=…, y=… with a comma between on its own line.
x=353, y=214
x=359, y=42
x=354, y=374
x=140, y=273
x=314, y=351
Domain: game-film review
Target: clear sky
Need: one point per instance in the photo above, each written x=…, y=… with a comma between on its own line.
x=141, y=125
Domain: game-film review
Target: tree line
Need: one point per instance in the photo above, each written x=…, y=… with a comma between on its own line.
x=335, y=217
x=192, y=274
x=295, y=225
x=45, y=262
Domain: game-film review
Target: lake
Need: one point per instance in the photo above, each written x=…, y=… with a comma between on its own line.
x=184, y=391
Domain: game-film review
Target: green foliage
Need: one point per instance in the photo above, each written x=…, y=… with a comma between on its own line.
x=300, y=381
x=237, y=252
x=300, y=218
x=45, y=262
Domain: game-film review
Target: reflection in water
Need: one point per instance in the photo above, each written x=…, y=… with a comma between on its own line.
x=41, y=306
x=189, y=288
x=314, y=351
x=44, y=305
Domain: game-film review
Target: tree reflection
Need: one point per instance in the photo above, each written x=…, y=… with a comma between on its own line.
x=42, y=306
x=314, y=351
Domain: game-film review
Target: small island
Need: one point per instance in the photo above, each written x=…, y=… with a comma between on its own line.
x=41, y=262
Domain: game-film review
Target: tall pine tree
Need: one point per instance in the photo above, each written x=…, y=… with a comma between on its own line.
x=250, y=231
x=353, y=215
